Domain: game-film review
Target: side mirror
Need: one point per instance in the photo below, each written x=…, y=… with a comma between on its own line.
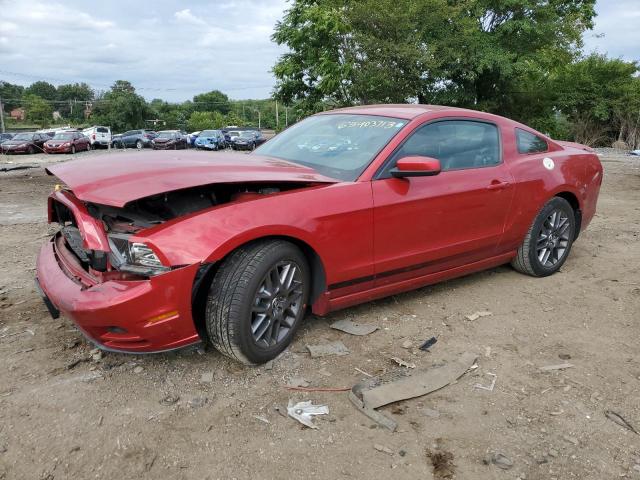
x=416, y=167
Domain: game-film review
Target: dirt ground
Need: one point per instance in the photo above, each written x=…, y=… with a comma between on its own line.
x=66, y=412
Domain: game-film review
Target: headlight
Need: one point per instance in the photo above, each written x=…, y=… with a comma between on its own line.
x=134, y=257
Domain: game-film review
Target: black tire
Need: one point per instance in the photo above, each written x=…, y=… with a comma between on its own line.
x=234, y=292
x=528, y=260
x=30, y=149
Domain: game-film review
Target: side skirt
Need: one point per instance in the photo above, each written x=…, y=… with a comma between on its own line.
x=326, y=304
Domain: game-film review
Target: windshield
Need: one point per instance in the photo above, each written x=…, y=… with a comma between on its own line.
x=208, y=133
x=23, y=136
x=63, y=136
x=234, y=134
x=337, y=145
x=166, y=135
x=246, y=135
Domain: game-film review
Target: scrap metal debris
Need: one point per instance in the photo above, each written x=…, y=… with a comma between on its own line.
x=383, y=449
x=490, y=386
x=477, y=315
x=304, y=412
x=326, y=349
x=400, y=385
x=354, y=328
x=619, y=419
x=561, y=366
x=403, y=363
x=428, y=344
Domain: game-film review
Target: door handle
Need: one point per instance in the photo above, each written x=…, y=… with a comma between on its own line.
x=497, y=185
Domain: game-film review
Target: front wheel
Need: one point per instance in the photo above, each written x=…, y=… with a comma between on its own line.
x=257, y=300
x=548, y=241
x=139, y=145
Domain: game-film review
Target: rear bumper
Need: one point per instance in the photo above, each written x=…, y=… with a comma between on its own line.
x=134, y=316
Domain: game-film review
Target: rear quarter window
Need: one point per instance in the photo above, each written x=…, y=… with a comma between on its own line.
x=529, y=142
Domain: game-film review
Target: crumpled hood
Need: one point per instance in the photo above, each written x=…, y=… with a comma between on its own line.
x=119, y=178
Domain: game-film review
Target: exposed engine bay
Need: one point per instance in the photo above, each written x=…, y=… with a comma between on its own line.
x=120, y=223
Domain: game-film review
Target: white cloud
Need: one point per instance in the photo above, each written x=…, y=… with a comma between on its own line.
x=185, y=16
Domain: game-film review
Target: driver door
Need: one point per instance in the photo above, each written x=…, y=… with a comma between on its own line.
x=424, y=225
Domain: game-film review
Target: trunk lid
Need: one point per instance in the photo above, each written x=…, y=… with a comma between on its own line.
x=116, y=180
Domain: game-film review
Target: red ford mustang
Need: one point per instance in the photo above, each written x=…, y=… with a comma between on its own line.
x=161, y=250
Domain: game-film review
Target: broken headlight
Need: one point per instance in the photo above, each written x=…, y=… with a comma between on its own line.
x=134, y=257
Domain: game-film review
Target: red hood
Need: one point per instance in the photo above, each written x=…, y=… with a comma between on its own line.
x=117, y=179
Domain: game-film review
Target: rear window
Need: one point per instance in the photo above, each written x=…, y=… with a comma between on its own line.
x=529, y=142
x=102, y=130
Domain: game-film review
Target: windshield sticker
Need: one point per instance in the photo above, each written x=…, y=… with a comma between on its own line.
x=548, y=163
x=370, y=124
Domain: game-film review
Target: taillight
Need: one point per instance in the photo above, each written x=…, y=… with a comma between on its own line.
x=94, y=136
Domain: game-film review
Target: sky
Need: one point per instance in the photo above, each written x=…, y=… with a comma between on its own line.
x=174, y=49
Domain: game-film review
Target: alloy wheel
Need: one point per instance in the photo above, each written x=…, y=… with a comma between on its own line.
x=276, y=304
x=553, y=238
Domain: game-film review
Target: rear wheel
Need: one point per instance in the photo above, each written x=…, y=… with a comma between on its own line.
x=257, y=301
x=548, y=241
x=30, y=149
x=139, y=144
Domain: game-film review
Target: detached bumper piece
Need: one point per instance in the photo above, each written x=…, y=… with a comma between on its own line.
x=135, y=316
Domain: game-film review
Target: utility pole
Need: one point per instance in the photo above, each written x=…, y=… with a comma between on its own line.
x=286, y=116
x=1, y=116
x=277, y=116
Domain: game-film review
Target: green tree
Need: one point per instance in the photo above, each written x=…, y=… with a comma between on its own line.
x=74, y=97
x=199, y=121
x=38, y=110
x=11, y=95
x=471, y=53
x=43, y=90
x=121, y=108
x=213, y=101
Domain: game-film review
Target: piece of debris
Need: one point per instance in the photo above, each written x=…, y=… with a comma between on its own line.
x=501, y=461
x=403, y=363
x=477, y=315
x=96, y=357
x=564, y=356
x=262, y=419
x=297, y=382
x=399, y=385
x=561, y=366
x=206, y=377
x=268, y=365
x=324, y=372
x=490, y=386
x=198, y=402
x=383, y=449
x=138, y=369
x=442, y=463
x=570, y=439
x=170, y=400
x=407, y=344
x=304, y=412
x=362, y=372
x=428, y=344
x=326, y=349
x=319, y=389
x=619, y=419
x=354, y=328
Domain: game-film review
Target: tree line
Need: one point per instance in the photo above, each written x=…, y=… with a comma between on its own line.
x=122, y=108
x=519, y=58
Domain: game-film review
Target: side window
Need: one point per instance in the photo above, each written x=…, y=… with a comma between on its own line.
x=530, y=143
x=458, y=144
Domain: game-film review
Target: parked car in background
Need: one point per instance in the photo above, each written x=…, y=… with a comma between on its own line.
x=98, y=136
x=134, y=138
x=211, y=140
x=169, y=140
x=248, y=140
x=143, y=262
x=6, y=136
x=67, y=142
x=192, y=137
x=230, y=135
x=29, y=142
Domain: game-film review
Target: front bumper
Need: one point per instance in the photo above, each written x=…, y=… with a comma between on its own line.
x=135, y=316
x=13, y=149
x=59, y=149
x=207, y=146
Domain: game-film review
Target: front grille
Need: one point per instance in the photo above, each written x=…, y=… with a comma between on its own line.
x=74, y=241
